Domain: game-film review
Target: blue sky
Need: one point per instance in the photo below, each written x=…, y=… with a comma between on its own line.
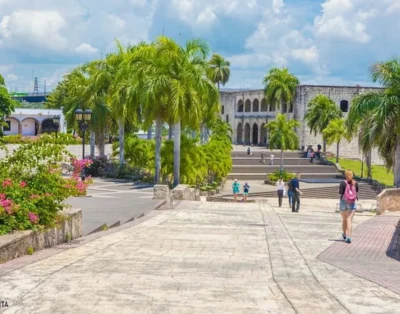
x=321, y=41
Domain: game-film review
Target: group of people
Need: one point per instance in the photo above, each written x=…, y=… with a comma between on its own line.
x=348, y=190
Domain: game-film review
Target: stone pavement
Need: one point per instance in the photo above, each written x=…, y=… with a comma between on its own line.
x=375, y=253
x=111, y=202
x=202, y=258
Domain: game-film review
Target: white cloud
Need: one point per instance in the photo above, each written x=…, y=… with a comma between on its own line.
x=33, y=29
x=308, y=55
x=249, y=60
x=277, y=5
x=11, y=77
x=85, y=49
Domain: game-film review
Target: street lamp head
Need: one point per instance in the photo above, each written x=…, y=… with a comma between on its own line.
x=56, y=120
x=87, y=116
x=79, y=114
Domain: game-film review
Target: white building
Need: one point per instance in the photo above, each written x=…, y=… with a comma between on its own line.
x=32, y=122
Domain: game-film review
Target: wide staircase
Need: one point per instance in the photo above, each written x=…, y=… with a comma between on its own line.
x=247, y=167
x=323, y=179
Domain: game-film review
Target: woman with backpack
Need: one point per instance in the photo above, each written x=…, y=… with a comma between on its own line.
x=246, y=189
x=348, y=195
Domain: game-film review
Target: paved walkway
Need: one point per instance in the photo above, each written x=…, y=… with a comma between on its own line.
x=100, y=207
x=202, y=258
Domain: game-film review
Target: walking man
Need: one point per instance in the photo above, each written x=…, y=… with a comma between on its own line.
x=262, y=158
x=296, y=193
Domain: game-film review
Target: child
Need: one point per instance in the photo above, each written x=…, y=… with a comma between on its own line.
x=235, y=189
x=246, y=188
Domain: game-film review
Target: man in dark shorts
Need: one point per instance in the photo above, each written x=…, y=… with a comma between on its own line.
x=296, y=193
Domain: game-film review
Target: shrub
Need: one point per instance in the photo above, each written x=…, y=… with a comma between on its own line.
x=60, y=138
x=32, y=189
x=286, y=176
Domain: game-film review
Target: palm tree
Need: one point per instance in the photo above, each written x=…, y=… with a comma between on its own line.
x=280, y=87
x=219, y=70
x=334, y=133
x=283, y=134
x=381, y=110
x=6, y=104
x=321, y=110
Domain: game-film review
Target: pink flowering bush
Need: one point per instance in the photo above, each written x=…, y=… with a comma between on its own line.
x=32, y=188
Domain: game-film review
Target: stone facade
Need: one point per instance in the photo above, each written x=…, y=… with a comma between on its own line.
x=247, y=112
x=388, y=200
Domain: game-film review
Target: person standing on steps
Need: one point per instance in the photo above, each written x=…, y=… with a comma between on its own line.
x=312, y=156
x=296, y=193
x=246, y=189
x=280, y=187
x=235, y=189
x=272, y=159
x=348, y=190
x=262, y=158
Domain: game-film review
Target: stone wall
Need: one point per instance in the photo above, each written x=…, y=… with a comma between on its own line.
x=162, y=192
x=17, y=243
x=185, y=193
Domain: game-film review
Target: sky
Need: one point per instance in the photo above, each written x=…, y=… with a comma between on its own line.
x=327, y=42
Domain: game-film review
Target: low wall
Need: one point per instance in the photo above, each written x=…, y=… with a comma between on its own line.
x=162, y=192
x=185, y=193
x=220, y=199
x=17, y=243
x=388, y=200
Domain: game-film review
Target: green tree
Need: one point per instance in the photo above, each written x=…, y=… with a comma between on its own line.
x=280, y=87
x=335, y=132
x=321, y=110
x=219, y=70
x=283, y=134
x=7, y=104
x=381, y=110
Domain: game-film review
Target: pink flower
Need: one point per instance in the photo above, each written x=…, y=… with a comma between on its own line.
x=33, y=218
x=2, y=196
x=7, y=182
x=7, y=204
x=23, y=184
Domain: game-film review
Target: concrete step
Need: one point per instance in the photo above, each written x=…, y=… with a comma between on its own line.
x=267, y=154
x=366, y=192
x=263, y=176
x=290, y=168
x=257, y=161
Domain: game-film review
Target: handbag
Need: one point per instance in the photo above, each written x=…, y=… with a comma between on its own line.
x=285, y=193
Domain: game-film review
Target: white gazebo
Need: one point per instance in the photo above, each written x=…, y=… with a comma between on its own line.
x=32, y=122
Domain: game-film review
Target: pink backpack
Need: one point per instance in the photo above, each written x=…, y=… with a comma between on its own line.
x=350, y=194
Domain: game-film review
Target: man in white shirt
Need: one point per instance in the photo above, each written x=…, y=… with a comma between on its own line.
x=272, y=159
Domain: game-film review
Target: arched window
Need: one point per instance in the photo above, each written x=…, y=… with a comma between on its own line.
x=344, y=106
x=272, y=107
x=247, y=106
x=256, y=105
x=240, y=106
x=264, y=106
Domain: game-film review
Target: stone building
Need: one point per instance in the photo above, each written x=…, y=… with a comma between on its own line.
x=247, y=111
x=32, y=122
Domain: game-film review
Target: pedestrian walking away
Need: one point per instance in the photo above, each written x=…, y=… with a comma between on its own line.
x=296, y=193
x=290, y=192
x=348, y=190
x=246, y=189
x=272, y=159
x=235, y=189
x=262, y=158
x=280, y=188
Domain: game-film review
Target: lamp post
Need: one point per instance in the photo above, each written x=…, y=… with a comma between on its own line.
x=56, y=121
x=83, y=118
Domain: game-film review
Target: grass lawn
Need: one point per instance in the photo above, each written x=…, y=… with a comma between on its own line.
x=379, y=173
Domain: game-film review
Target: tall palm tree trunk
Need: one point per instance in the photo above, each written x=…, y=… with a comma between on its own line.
x=369, y=164
x=121, y=129
x=397, y=164
x=281, y=160
x=92, y=143
x=324, y=146
x=150, y=133
x=157, y=177
x=170, y=131
x=177, y=153
x=337, y=152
